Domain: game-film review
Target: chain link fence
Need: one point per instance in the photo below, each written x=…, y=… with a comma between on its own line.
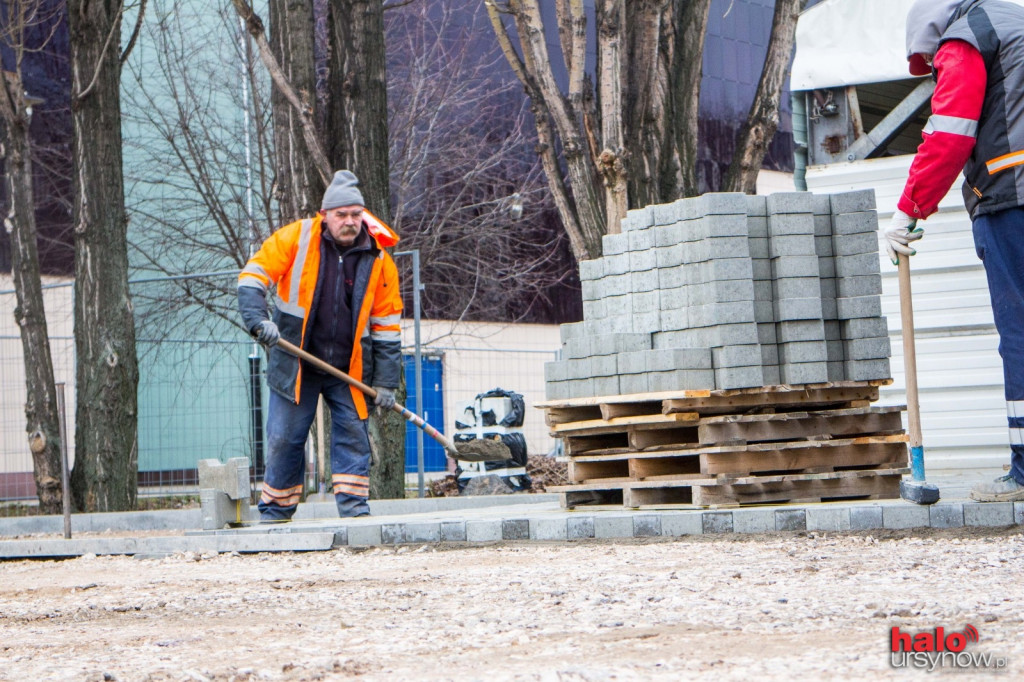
x=197, y=398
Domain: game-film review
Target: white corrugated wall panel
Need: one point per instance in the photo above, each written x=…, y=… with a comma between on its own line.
x=960, y=376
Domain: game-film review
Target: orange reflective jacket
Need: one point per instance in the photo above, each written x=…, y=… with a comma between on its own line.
x=290, y=258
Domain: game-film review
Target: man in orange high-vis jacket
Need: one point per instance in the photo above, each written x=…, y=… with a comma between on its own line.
x=975, y=51
x=337, y=298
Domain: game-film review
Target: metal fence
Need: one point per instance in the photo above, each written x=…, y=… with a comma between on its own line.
x=195, y=380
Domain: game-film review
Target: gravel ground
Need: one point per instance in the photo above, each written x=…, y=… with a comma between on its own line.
x=778, y=607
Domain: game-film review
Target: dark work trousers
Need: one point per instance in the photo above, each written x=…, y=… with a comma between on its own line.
x=287, y=428
x=999, y=240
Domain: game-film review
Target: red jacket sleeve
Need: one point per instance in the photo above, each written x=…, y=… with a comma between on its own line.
x=951, y=131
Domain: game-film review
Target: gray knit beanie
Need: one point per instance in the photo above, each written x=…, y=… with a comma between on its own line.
x=344, y=191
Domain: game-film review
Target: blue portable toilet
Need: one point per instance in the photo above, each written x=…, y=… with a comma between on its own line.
x=434, y=458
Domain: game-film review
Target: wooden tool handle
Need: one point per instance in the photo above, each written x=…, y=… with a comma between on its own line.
x=909, y=354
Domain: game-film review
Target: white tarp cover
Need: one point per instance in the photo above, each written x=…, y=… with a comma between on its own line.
x=849, y=42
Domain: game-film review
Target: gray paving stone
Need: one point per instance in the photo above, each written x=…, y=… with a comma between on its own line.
x=669, y=256
x=867, y=349
x=604, y=386
x=862, y=328
x=865, y=518
x=617, y=264
x=682, y=380
x=230, y=477
x=613, y=526
x=664, y=360
x=852, y=266
x=822, y=225
x=634, y=362
x=804, y=373
x=863, y=285
x=675, y=524
x=646, y=280
x=895, y=516
x=674, y=298
x=730, y=291
x=753, y=521
x=633, y=383
x=790, y=519
x=647, y=525
x=796, y=266
x=576, y=349
x=736, y=356
x=790, y=245
x=797, y=309
x=988, y=513
x=362, y=536
x=640, y=240
x=591, y=269
x=716, y=522
x=860, y=222
x=799, y=330
x=556, y=390
x=579, y=527
x=646, y=301
x=827, y=267
x=515, y=529
x=850, y=202
x=946, y=515
x=758, y=247
x=1018, y=513
x=549, y=529
x=570, y=331
x=616, y=285
x=675, y=318
x=723, y=203
x=739, y=377
x=828, y=518
x=855, y=244
x=612, y=244
x=822, y=205
x=859, y=306
x=767, y=333
x=646, y=259
x=715, y=314
x=453, y=531
x=867, y=370
x=757, y=227
x=421, y=532
x=769, y=355
x=726, y=268
x=790, y=202
x=579, y=368
x=797, y=287
x=483, y=530
x=771, y=375
x=681, y=209
x=757, y=205
x=609, y=344
x=823, y=246
x=800, y=352
x=638, y=219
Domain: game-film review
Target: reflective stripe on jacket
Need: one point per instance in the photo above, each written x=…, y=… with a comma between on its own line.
x=290, y=258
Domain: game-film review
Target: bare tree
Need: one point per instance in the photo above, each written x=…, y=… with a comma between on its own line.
x=106, y=463
x=638, y=128
x=17, y=18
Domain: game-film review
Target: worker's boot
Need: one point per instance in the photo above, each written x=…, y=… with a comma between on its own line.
x=1003, y=489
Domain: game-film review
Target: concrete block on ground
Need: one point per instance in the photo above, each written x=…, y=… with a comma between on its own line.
x=570, y=331
x=400, y=533
x=796, y=266
x=866, y=327
x=757, y=227
x=867, y=349
x=675, y=524
x=633, y=383
x=789, y=331
x=855, y=244
x=556, y=528
x=853, y=266
x=230, y=477
x=723, y=203
x=646, y=280
x=646, y=301
x=771, y=375
x=988, y=514
x=836, y=370
x=757, y=205
x=665, y=360
x=859, y=222
x=802, y=352
x=1018, y=513
x=866, y=517
x=753, y=520
x=804, y=373
x=821, y=205
x=217, y=510
x=946, y=515
x=797, y=309
x=606, y=386
x=859, y=306
x=647, y=259
x=594, y=310
x=616, y=264
x=646, y=526
x=739, y=377
x=579, y=527
x=613, y=526
x=863, y=285
x=580, y=388
x=714, y=314
x=895, y=516
x=736, y=356
x=850, y=202
x=556, y=371
x=674, y=298
x=867, y=370
x=556, y=390
x=792, y=225
x=681, y=380
x=591, y=269
x=797, y=287
x=483, y=530
x=822, y=225
x=669, y=256
x=675, y=319
x=364, y=536
x=790, y=519
x=790, y=202
x=823, y=246
x=826, y=518
x=717, y=522
x=515, y=529
x=613, y=244
x=714, y=226
x=769, y=354
x=453, y=531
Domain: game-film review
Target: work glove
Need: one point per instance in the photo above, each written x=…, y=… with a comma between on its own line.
x=902, y=230
x=385, y=399
x=267, y=333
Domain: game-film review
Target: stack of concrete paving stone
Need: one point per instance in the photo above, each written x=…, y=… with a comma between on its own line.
x=730, y=291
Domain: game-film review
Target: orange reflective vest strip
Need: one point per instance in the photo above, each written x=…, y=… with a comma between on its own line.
x=1001, y=163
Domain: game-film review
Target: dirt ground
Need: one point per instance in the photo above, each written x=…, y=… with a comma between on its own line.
x=778, y=607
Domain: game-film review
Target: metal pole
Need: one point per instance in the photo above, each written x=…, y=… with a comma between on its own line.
x=65, y=478
x=418, y=355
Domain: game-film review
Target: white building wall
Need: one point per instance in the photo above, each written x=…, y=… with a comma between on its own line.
x=963, y=411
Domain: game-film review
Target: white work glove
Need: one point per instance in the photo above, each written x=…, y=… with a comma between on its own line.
x=267, y=333
x=902, y=230
x=385, y=399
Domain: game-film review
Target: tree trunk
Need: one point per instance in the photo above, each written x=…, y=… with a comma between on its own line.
x=357, y=118
x=41, y=420
x=612, y=161
x=299, y=188
x=105, y=476
x=691, y=23
x=762, y=122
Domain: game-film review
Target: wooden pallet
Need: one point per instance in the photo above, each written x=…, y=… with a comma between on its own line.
x=715, y=448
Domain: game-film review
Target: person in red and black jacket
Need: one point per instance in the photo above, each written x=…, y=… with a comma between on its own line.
x=975, y=51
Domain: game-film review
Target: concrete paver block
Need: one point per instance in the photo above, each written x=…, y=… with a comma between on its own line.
x=736, y=356
x=859, y=306
x=790, y=519
x=515, y=529
x=633, y=383
x=797, y=287
x=863, y=327
x=791, y=245
x=799, y=330
x=867, y=349
x=647, y=525
x=866, y=517
x=790, y=202
x=739, y=377
x=849, y=202
x=859, y=222
x=218, y=510
x=549, y=528
x=753, y=521
x=867, y=370
x=828, y=518
x=717, y=522
x=804, y=373
x=800, y=352
x=579, y=527
x=797, y=309
x=946, y=515
x=896, y=516
x=675, y=524
x=863, y=264
x=570, y=331
x=723, y=203
x=862, y=285
x=363, y=536
x=855, y=244
x=230, y=477
x=612, y=244
x=988, y=514
x=613, y=526
x=453, y=531
x=681, y=380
